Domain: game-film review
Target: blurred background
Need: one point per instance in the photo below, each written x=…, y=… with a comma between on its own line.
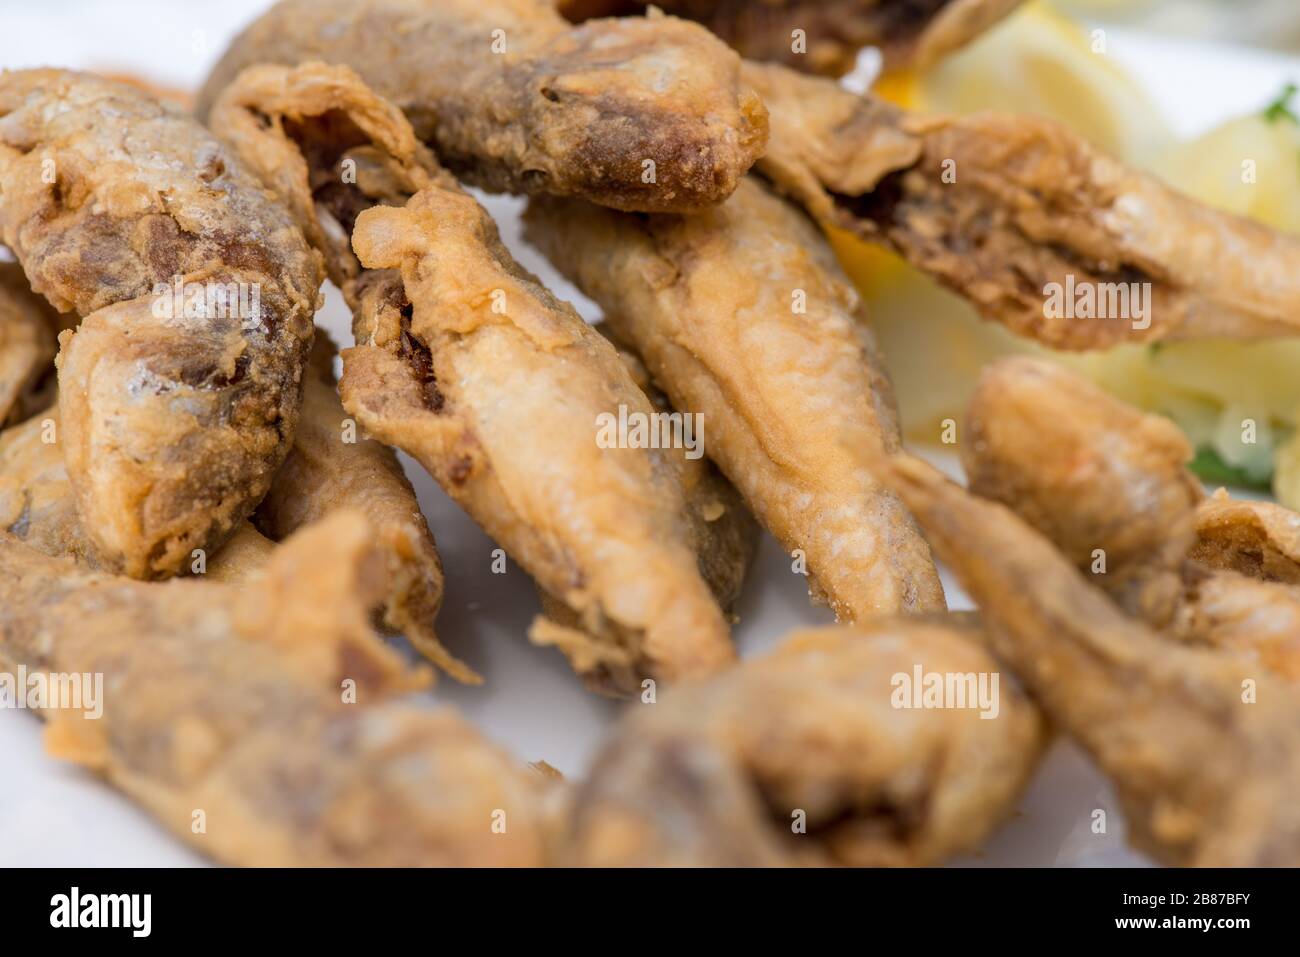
x=1268, y=23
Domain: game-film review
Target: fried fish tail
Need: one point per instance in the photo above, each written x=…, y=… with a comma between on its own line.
x=743, y=317
x=1026, y=220
x=505, y=395
x=722, y=772
x=643, y=114
x=232, y=703
x=1146, y=709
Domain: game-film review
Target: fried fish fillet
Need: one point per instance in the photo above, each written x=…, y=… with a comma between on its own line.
x=804, y=756
x=824, y=36
x=498, y=389
x=742, y=315
x=174, y=419
x=1108, y=485
x=1203, y=748
x=1025, y=220
x=495, y=386
x=27, y=345
x=641, y=114
x=331, y=467
x=227, y=702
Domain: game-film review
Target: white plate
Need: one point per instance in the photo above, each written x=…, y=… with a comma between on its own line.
x=54, y=814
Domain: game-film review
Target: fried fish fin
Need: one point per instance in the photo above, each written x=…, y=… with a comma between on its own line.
x=742, y=315
x=641, y=114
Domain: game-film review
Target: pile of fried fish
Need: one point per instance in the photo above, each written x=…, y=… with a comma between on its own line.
x=185, y=512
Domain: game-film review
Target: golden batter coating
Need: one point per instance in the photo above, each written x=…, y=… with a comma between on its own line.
x=803, y=757
x=232, y=702
x=1026, y=220
x=1202, y=747
x=27, y=345
x=1257, y=539
x=641, y=114
x=742, y=315
x=39, y=508
x=331, y=467
x=498, y=389
x=300, y=127
x=1108, y=485
x=180, y=388
x=832, y=31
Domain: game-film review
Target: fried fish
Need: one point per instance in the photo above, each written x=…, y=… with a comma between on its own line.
x=640, y=114
x=179, y=390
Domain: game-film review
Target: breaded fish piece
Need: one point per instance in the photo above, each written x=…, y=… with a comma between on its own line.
x=331, y=467
x=639, y=114
x=230, y=702
x=172, y=427
x=742, y=315
x=1000, y=207
x=27, y=345
x=1108, y=485
x=39, y=508
x=498, y=388
x=803, y=756
x=1257, y=539
x=832, y=31
x=300, y=128
x=1203, y=748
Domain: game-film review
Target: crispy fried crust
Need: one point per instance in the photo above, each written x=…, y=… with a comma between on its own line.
x=742, y=314
x=27, y=329
x=173, y=427
x=914, y=32
x=1109, y=486
x=495, y=386
x=1106, y=483
x=39, y=508
x=1148, y=710
x=1257, y=539
x=997, y=207
x=722, y=773
x=514, y=99
x=299, y=126
x=331, y=467
x=227, y=701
